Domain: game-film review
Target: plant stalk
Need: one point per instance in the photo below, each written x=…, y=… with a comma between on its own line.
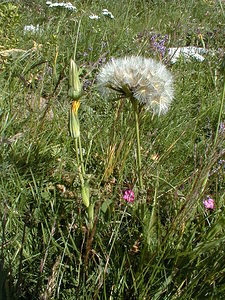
x=81, y=174
x=220, y=112
x=136, y=115
x=81, y=157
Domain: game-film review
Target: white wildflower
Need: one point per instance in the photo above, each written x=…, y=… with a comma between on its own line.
x=105, y=12
x=32, y=29
x=67, y=5
x=94, y=17
x=144, y=79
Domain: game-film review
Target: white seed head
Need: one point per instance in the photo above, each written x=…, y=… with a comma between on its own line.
x=144, y=79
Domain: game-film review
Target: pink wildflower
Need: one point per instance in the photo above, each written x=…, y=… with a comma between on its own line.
x=209, y=203
x=129, y=196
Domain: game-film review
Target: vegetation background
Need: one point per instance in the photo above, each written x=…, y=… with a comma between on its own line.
x=166, y=245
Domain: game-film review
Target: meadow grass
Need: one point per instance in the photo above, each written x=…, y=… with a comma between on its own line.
x=166, y=245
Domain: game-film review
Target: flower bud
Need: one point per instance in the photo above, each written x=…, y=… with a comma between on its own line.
x=85, y=193
x=74, y=124
x=91, y=212
x=75, y=90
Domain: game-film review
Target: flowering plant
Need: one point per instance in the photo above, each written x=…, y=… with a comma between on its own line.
x=209, y=203
x=75, y=93
x=145, y=82
x=143, y=79
x=129, y=196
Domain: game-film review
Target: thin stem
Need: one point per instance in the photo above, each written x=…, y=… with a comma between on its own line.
x=152, y=222
x=78, y=162
x=75, y=49
x=81, y=157
x=136, y=115
x=220, y=113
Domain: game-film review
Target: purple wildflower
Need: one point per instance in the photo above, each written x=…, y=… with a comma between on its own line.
x=209, y=203
x=129, y=196
x=222, y=127
x=158, y=44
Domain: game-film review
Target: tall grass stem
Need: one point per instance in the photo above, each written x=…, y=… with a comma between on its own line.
x=220, y=112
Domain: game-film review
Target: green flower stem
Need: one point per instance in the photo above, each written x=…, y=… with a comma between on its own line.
x=78, y=162
x=136, y=115
x=220, y=113
x=81, y=157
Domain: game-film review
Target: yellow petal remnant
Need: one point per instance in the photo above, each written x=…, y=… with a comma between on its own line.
x=74, y=124
x=75, y=106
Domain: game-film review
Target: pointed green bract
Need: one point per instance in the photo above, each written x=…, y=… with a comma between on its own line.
x=75, y=90
x=85, y=193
